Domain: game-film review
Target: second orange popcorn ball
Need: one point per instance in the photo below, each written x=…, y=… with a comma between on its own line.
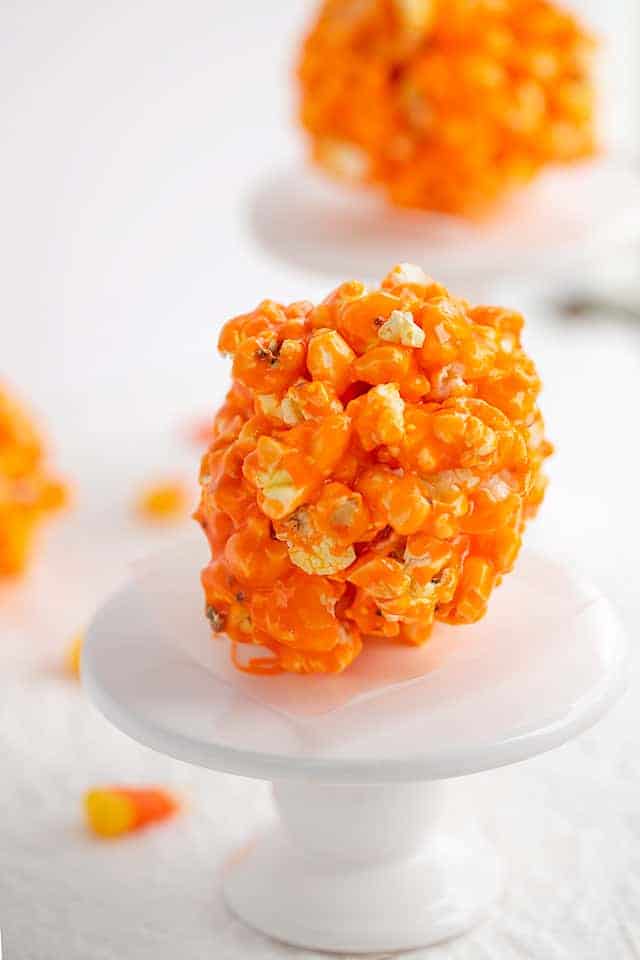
x=371, y=470
x=446, y=104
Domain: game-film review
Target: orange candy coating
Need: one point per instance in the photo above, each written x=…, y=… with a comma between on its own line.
x=446, y=104
x=341, y=506
x=28, y=493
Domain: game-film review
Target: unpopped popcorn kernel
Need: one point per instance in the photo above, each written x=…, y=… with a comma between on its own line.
x=114, y=811
x=329, y=358
x=382, y=488
x=446, y=105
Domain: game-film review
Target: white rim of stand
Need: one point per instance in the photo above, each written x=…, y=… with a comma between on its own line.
x=374, y=852
x=564, y=219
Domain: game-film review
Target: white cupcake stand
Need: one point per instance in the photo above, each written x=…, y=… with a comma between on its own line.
x=373, y=846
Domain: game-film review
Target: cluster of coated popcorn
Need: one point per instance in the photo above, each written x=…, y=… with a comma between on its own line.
x=27, y=492
x=446, y=104
x=371, y=470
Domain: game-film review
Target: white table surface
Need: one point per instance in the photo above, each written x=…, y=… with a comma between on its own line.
x=125, y=173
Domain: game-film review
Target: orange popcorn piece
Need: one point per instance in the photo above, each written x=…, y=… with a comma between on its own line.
x=378, y=416
x=299, y=612
x=382, y=487
x=114, y=811
x=446, y=105
x=400, y=501
x=253, y=556
x=345, y=650
x=320, y=536
x=28, y=493
x=165, y=502
x=330, y=358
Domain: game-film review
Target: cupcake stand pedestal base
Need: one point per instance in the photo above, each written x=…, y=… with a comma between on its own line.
x=365, y=868
x=373, y=847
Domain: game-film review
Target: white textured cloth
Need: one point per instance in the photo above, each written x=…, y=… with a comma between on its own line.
x=568, y=824
x=123, y=243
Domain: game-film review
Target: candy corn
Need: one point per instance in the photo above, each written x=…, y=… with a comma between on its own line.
x=164, y=501
x=114, y=811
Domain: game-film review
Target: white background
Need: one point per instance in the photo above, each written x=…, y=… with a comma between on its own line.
x=132, y=134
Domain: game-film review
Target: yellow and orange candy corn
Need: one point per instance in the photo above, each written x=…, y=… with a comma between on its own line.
x=165, y=501
x=114, y=811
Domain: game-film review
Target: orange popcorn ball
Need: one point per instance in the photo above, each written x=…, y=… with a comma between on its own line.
x=27, y=491
x=446, y=104
x=345, y=503
x=165, y=502
x=114, y=811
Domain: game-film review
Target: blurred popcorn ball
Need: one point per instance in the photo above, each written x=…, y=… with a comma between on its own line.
x=446, y=104
x=114, y=811
x=371, y=471
x=28, y=492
